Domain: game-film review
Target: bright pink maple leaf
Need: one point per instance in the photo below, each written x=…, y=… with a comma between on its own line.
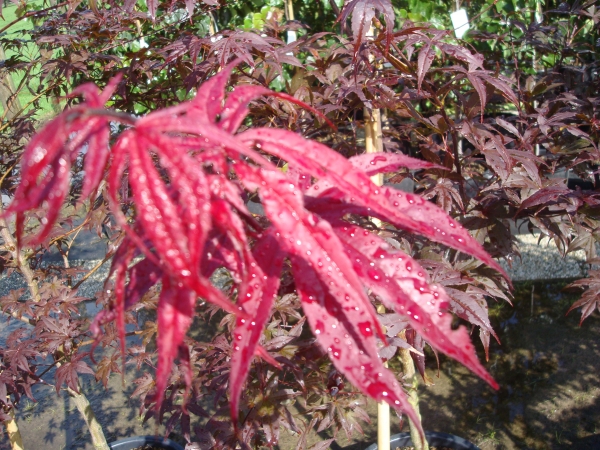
x=187, y=172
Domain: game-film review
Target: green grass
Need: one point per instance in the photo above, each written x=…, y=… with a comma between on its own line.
x=28, y=51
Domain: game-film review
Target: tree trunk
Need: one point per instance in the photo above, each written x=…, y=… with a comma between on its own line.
x=14, y=435
x=84, y=407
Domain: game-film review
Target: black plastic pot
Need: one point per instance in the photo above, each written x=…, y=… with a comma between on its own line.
x=139, y=441
x=433, y=438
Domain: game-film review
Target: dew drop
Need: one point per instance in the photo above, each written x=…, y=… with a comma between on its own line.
x=365, y=329
x=319, y=327
x=374, y=275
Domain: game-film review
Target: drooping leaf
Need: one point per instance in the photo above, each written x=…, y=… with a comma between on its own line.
x=424, y=61
x=481, y=92
x=346, y=334
x=374, y=163
x=590, y=300
x=363, y=12
x=175, y=313
x=402, y=285
x=407, y=211
x=257, y=300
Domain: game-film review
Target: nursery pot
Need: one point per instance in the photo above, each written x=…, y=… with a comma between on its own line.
x=433, y=438
x=139, y=441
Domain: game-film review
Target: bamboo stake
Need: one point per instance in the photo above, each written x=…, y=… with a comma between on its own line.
x=289, y=10
x=292, y=36
x=374, y=144
x=374, y=138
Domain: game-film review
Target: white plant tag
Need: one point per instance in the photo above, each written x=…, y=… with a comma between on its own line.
x=460, y=22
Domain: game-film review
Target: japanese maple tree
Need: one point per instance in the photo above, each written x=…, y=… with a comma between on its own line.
x=234, y=156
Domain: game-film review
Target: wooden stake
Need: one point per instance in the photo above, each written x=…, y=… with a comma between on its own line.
x=374, y=144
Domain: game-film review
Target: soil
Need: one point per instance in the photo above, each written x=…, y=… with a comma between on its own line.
x=548, y=368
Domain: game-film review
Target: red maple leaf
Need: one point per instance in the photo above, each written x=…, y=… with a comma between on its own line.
x=188, y=170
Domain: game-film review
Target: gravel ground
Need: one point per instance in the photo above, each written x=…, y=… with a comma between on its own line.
x=543, y=261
